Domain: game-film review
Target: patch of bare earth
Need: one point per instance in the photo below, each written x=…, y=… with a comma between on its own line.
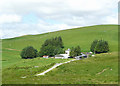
x=12, y=49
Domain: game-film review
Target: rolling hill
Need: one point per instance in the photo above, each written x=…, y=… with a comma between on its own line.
x=82, y=36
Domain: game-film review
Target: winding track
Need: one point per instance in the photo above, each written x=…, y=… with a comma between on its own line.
x=56, y=65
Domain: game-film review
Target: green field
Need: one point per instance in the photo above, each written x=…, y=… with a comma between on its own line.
x=101, y=69
x=78, y=72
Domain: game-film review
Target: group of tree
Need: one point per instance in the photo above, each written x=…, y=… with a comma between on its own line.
x=99, y=46
x=54, y=46
x=75, y=51
x=50, y=47
x=57, y=42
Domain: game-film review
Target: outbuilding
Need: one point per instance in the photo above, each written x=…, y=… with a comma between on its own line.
x=64, y=56
x=81, y=56
x=59, y=56
x=45, y=56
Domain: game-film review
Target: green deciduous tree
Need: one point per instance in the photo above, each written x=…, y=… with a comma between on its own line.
x=99, y=46
x=52, y=47
x=75, y=51
x=28, y=52
x=93, y=45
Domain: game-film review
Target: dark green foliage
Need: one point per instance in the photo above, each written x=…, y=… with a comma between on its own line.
x=52, y=47
x=75, y=51
x=58, y=50
x=57, y=41
x=60, y=42
x=102, y=47
x=93, y=45
x=28, y=52
x=72, y=52
x=50, y=50
x=99, y=46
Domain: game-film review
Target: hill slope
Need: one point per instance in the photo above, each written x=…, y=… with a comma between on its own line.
x=78, y=72
x=101, y=69
x=78, y=36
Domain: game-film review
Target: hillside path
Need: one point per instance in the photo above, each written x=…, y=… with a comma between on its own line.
x=56, y=65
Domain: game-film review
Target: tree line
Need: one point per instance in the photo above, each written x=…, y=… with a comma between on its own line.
x=50, y=47
x=54, y=46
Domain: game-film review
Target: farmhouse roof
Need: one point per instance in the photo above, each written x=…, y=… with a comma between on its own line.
x=68, y=49
x=59, y=56
x=83, y=55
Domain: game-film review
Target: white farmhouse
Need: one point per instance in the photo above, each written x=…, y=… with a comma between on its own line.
x=64, y=56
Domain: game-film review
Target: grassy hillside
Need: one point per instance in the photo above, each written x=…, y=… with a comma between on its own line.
x=75, y=72
x=101, y=69
x=79, y=36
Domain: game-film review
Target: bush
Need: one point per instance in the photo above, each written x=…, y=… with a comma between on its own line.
x=99, y=46
x=28, y=52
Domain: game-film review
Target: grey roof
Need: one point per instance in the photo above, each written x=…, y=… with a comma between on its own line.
x=59, y=56
x=82, y=55
x=68, y=49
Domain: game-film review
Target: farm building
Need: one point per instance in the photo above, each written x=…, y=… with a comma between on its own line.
x=64, y=56
x=59, y=56
x=45, y=56
x=80, y=57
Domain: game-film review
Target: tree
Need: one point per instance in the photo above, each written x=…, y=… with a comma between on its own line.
x=72, y=53
x=47, y=50
x=99, y=46
x=28, y=52
x=52, y=47
x=58, y=50
x=60, y=42
x=75, y=51
x=57, y=41
x=93, y=45
x=102, y=46
x=78, y=50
